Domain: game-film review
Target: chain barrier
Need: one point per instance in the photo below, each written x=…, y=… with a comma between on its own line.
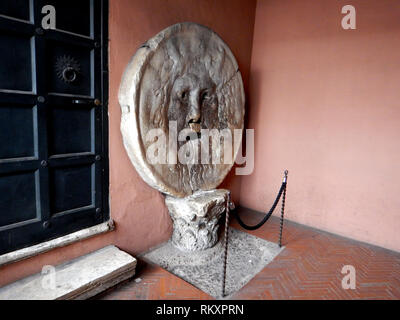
x=281, y=193
x=282, y=190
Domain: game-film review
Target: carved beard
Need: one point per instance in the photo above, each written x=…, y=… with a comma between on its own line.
x=193, y=176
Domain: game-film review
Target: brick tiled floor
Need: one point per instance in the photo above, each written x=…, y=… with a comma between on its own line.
x=309, y=268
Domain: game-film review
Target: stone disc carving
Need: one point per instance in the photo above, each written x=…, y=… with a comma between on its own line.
x=188, y=76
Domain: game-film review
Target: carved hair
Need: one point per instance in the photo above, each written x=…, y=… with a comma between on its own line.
x=183, y=58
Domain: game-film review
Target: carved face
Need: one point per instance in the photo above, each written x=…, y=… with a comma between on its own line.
x=193, y=103
x=185, y=74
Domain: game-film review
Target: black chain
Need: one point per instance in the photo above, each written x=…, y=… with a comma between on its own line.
x=282, y=210
x=228, y=202
x=268, y=215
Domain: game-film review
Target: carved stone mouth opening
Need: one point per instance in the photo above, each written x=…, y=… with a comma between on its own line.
x=194, y=121
x=195, y=126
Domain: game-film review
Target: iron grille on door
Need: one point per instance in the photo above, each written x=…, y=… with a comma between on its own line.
x=53, y=120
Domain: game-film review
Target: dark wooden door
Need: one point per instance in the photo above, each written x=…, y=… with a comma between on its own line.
x=53, y=120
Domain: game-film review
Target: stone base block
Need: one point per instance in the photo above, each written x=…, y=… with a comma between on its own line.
x=195, y=218
x=78, y=279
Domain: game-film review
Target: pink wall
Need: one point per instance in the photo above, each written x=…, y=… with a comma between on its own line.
x=324, y=103
x=141, y=218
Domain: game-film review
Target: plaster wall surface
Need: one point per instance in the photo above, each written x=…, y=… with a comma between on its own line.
x=324, y=103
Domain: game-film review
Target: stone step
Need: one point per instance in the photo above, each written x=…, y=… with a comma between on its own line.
x=78, y=279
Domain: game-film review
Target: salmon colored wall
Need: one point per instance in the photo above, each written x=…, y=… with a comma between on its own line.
x=141, y=218
x=325, y=103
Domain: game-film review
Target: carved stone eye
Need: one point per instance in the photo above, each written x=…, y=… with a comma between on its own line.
x=184, y=95
x=204, y=96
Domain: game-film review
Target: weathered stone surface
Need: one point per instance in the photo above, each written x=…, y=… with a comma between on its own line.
x=188, y=75
x=195, y=219
x=247, y=255
x=78, y=279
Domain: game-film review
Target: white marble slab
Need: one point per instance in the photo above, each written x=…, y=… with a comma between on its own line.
x=80, y=278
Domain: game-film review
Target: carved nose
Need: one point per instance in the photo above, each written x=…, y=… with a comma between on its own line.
x=194, y=115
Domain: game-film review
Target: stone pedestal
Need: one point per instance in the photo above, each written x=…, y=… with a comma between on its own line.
x=195, y=218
